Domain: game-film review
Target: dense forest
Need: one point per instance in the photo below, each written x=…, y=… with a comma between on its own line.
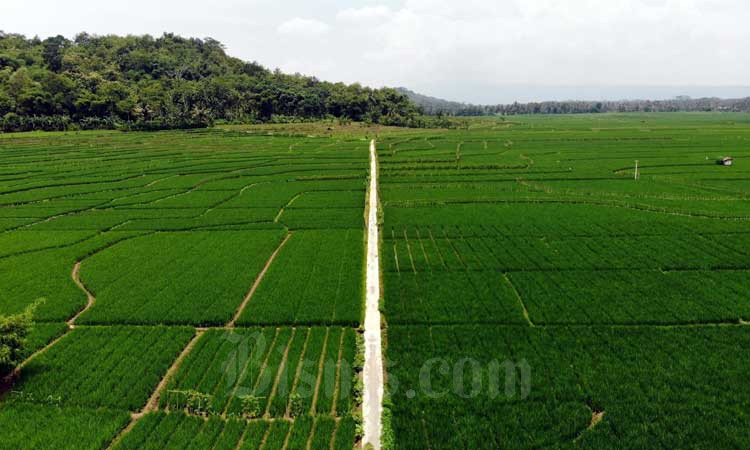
x=436, y=106
x=142, y=82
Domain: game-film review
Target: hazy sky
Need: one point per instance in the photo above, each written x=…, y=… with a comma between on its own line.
x=470, y=50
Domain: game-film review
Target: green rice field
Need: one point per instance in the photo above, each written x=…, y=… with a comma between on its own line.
x=205, y=289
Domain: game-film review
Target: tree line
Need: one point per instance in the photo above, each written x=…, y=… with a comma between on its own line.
x=143, y=82
x=437, y=107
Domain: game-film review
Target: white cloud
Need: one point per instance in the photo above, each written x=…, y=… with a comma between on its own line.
x=303, y=27
x=363, y=14
x=477, y=50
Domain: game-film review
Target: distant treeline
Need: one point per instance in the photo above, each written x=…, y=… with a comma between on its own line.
x=435, y=106
x=142, y=82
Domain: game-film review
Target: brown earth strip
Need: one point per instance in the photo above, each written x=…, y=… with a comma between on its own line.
x=153, y=402
x=90, y=299
x=338, y=375
x=279, y=371
x=320, y=372
x=257, y=281
x=520, y=301
x=300, y=363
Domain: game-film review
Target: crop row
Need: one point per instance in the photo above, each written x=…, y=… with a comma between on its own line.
x=553, y=218
x=567, y=297
x=178, y=431
x=426, y=250
x=267, y=372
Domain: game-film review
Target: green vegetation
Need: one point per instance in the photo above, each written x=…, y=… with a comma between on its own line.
x=113, y=367
x=315, y=280
x=14, y=331
x=209, y=274
x=147, y=83
x=436, y=106
x=657, y=386
x=267, y=372
x=27, y=425
x=529, y=241
x=128, y=232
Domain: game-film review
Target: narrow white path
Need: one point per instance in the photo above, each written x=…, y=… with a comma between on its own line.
x=372, y=407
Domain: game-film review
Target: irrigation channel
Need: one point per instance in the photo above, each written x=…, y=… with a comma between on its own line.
x=372, y=407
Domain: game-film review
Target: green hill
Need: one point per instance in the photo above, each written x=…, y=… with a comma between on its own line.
x=144, y=82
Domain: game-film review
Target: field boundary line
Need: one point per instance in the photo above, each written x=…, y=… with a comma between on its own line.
x=243, y=372
x=520, y=300
x=297, y=372
x=310, y=436
x=283, y=208
x=153, y=401
x=279, y=371
x=265, y=438
x=421, y=245
x=241, y=440
x=337, y=380
x=437, y=249
x=257, y=282
x=90, y=299
x=6, y=383
x=319, y=379
x=408, y=248
x=372, y=404
x=596, y=417
x=152, y=404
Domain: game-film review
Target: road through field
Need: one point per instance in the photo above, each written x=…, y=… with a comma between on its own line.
x=373, y=370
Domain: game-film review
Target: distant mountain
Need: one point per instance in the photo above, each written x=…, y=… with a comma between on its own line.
x=433, y=106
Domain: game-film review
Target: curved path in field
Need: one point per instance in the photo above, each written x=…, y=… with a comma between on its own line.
x=372, y=407
x=90, y=299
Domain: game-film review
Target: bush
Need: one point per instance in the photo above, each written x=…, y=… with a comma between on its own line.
x=297, y=408
x=12, y=122
x=13, y=333
x=251, y=407
x=169, y=124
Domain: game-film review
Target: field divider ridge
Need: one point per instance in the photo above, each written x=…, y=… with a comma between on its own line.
x=90, y=298
x=152, y=404
x=524, y=310
x=257, y=282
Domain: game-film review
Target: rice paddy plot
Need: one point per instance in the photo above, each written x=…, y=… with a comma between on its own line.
x=316, y=279
x=255, y=373
x=196, y=278
x=102, y=367
x=541, y=293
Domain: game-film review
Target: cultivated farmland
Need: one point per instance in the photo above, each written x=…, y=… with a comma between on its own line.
x=198, y=289
x=537, y=295
x=205, y=289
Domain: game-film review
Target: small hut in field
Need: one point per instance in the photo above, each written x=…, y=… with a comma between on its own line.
x=725, y=161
